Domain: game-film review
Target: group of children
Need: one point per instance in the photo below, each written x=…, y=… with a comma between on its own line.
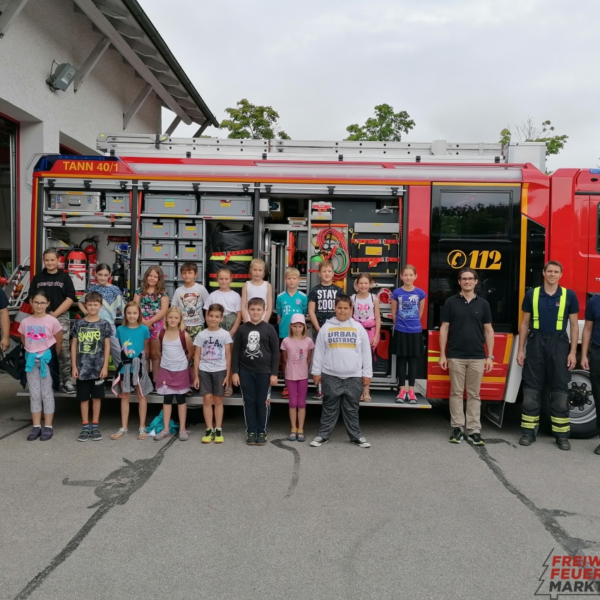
x=213, y=342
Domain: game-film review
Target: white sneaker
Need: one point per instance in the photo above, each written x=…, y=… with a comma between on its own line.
x=361, y=443
x=68, y=387
x=318, y=441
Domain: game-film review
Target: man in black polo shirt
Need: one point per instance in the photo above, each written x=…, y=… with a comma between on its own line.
x=466, y=319
x=550, y=356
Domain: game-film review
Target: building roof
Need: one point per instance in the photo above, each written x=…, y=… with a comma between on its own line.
x=127, y=27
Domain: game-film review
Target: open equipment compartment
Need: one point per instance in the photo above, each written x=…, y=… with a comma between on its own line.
x=88, y=227
x=178, y=226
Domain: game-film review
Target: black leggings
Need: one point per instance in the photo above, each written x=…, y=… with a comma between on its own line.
x=402, y=362
x=174, y=399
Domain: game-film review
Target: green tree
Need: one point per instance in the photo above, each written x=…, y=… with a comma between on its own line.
x=528, y=131
x=385, y=126
x=249, y=121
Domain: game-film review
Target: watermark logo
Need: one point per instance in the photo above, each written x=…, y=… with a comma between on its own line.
x=566, y=575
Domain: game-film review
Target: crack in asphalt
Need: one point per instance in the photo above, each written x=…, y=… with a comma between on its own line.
x=29, y=422
x=295, y=469
x=548, y=518
x=114, y=490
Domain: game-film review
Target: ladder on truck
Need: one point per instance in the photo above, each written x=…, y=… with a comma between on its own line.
x=439, y=151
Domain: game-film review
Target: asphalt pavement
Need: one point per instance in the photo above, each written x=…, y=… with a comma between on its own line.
x=412, y=517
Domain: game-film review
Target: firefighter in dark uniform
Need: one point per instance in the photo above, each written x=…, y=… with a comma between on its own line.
x=550, y=356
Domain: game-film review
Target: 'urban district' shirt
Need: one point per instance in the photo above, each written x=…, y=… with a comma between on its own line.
x=466, y=319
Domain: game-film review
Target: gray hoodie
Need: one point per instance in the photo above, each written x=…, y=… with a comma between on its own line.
x=342, y=349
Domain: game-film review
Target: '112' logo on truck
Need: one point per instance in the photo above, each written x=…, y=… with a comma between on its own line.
x=484, y=260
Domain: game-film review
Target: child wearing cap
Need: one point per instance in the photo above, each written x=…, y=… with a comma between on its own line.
x=297, y=349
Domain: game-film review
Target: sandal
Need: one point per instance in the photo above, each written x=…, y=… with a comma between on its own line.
x=117, y=436
x=228, y=392
x=293, y=436
x=366, y=397
x=143, y=434
x=300, y=437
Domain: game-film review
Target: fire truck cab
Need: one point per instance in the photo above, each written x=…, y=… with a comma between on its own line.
x=370, y=207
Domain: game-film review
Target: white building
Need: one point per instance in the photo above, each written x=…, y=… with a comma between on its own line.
x=119, y=74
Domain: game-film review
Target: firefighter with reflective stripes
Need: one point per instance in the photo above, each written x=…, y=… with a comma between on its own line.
x=550, y=356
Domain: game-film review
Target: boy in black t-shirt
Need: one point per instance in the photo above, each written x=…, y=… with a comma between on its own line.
x=321, y=299
x=90, y=350
x=254, y=366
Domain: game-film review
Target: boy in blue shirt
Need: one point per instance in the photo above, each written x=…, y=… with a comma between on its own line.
x=289, y=303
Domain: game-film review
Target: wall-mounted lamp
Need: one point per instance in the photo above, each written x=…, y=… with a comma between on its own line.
x=62, y=77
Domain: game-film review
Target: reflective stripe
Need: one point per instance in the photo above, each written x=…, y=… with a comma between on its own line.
x=561, y=308
x=561, y=419
x=536, y=313
x=530, y=418
x=528, y=425
x=561, y=429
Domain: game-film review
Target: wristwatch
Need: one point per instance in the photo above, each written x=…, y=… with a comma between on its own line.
x=491, y=356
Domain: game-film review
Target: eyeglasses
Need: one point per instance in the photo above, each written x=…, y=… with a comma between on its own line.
x=467, y=278
x=40, y=303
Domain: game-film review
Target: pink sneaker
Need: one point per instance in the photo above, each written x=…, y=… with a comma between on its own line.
x=412, y=399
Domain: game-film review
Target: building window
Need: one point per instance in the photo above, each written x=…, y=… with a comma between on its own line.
x=8, y=196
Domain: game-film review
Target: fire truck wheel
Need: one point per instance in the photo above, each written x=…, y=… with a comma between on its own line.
x=583, y=408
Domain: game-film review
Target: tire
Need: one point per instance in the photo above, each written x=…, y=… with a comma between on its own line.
x=583, y=418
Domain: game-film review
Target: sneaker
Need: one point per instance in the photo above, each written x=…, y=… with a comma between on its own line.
x=209, y=436
x=251, y=439
x=400, y=398
x=34, y=434
x=318, y=396
x=47, y=433
x=183, y=434
x=68, y=388
x=219, y=439
x=475, y=439
x=412, y=399
x=85, y=434
x=457, y=436
x=361, y=443
x=163, y=435
x=96, y=435
x=318, y=441
x=261, y=439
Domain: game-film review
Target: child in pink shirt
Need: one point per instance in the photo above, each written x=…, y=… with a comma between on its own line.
x=297, y=350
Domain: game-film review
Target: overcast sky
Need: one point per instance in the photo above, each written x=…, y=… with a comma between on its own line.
x=462, y=69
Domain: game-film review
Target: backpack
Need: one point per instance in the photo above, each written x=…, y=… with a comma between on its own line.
x=161, y=335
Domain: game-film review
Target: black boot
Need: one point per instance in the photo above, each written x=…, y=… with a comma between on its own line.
x=563, y=443
x=527, y=440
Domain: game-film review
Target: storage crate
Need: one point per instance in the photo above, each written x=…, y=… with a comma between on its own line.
x=170, y=204
x=75, y=201
x=191, y=252
x=168, y=268
x=190, y=230
x=158, y=249
x=225, y=206
x=170, y=286
x=157, y=228
x=117, y=203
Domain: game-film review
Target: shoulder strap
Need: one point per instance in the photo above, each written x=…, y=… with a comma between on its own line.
x=561, y=309
x=182, y=340
x=536, y=312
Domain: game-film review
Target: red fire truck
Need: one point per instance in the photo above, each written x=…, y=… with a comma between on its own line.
x=369, y=206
